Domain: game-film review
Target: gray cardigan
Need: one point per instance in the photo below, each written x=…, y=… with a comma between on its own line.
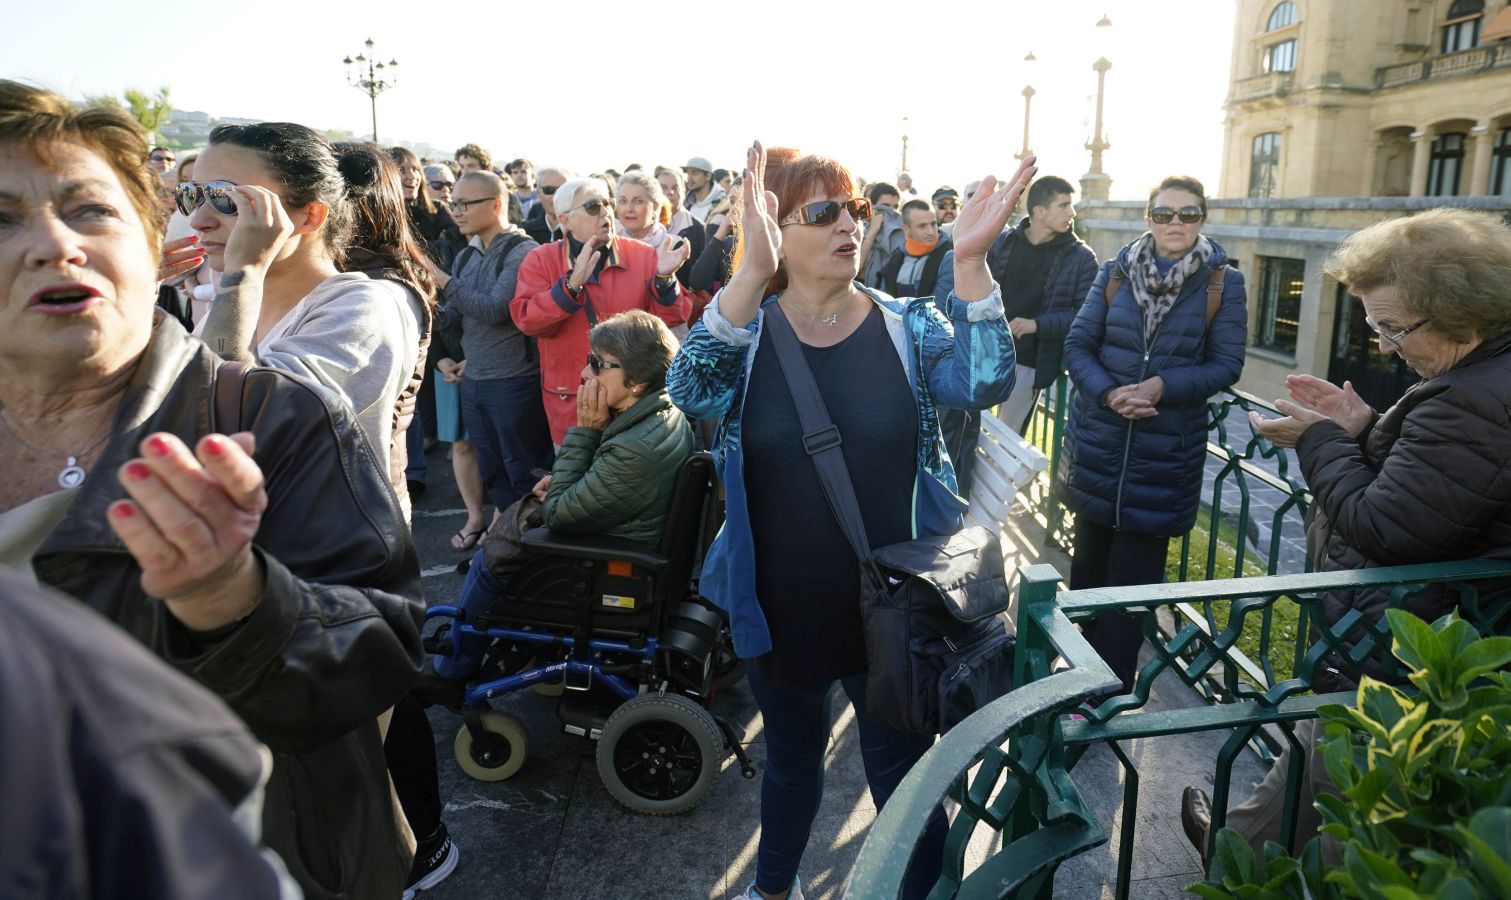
x=479, y=293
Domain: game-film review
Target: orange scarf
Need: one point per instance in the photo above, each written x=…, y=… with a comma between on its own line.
x=919, y=248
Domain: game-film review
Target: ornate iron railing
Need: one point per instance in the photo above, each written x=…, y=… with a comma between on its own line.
x=1010, y=767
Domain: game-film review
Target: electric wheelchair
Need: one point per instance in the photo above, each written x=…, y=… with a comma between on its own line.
x=633, y=654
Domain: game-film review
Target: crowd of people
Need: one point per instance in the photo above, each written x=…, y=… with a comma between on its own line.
x=220, y=373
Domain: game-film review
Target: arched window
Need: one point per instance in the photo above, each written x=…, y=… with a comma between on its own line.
x=1461, y=30
x=1282, y=15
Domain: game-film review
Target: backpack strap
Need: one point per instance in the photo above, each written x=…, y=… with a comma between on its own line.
x=1214, y=293
x=230, y=385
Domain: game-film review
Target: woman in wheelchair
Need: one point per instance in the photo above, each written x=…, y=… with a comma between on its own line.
x=613, y=475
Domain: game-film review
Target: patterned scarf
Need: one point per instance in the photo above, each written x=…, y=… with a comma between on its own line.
x=1156, y=296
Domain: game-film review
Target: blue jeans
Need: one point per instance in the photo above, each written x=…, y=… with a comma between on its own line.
x=507, y=424
x=480, y=590
x=797, y=720
x=418, y=467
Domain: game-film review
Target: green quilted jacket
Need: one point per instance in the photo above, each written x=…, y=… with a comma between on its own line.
x=619, y=481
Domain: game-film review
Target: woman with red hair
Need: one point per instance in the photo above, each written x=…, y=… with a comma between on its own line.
x=781, y=567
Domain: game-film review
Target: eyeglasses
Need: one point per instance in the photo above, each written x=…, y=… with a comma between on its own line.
x=594, y=207
x=1162, y=215
x=548, y=189
x=190, y=196
x=596, y=363
x=826, y=212
x=441, y=185
x=462, y=206
x=1393, y=339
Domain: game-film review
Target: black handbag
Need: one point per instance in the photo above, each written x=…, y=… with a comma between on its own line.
x=937, y=645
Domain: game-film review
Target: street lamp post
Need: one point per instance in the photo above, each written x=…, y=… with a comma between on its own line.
x=1028, y=99
x=378, y=78
x=1095, y=184
x=904, y=166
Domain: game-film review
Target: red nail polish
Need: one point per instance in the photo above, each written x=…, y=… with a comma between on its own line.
x=138, y=471
x=123, y=510
x=215, y=446
x=159, y=445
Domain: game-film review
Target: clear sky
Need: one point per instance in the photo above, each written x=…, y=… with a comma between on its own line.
x=593, y=84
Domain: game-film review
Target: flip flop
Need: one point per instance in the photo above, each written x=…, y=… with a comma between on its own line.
x=469, y=539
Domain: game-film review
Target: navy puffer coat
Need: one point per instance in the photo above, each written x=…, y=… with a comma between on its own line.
x=1145, y=476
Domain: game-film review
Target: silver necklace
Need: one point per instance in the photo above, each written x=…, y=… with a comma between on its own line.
x=72, y=474
x=830, y=320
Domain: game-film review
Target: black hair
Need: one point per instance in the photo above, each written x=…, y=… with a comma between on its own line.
x=915, y=205
x=402, y=155
x=516, y=163
x=720, y=174
x=881, y=189
x=305, y=166
x=1043, y=191
x=381, y=237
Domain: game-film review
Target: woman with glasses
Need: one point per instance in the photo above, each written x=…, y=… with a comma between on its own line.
x=1144, y=359
x=1424, y=481
x=274, y=212
x=613, y=475
x=781, y=567
x=236, y=524
x=569, y=285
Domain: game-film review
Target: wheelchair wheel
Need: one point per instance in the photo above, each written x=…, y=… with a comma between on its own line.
x=501, y=755
x=659, y=754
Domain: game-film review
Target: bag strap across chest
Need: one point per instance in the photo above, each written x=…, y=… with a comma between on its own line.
x=1214, y=290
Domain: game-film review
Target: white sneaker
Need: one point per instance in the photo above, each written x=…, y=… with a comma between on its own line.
x=751, y=893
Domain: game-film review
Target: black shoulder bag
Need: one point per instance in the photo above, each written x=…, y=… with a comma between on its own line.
x=937, y=648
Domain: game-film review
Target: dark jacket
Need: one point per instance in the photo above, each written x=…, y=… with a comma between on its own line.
x=619, y=481
x=1145, y=476
x=437, y=232
x=1429, y=481
x=109, y=759
x=336, y=639
x=1070, y=277
x=535, y=223
x=928, y=279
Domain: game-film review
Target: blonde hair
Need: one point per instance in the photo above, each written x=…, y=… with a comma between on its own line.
x=1451, y=267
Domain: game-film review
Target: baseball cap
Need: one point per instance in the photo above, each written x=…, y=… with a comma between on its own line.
x=945, y=191
x=700, y=163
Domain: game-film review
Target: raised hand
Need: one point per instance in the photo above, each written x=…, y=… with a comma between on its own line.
x=671, y=256
x=989, y=210
x=262, y=227
x=763, y=236
x=189, y=524
x=1340, y=404
x=180, y=257
x=587, y=260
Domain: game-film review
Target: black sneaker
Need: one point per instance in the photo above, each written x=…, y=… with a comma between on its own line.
x=434, y=861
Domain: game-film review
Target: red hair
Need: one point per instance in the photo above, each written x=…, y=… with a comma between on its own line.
x=792, y=177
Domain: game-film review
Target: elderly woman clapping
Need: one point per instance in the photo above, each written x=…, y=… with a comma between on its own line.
x=569, y=285
x=1425, y=481
x=272, y=565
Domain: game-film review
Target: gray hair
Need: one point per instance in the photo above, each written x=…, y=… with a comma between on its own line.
x=563, y=174
x=642, y=343
x=651, y=186
x=434, y=171
x=565, y=197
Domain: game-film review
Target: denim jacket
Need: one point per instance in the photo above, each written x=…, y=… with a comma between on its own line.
x=965, y=351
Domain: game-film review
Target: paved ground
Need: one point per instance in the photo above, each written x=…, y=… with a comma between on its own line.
x=553, y=832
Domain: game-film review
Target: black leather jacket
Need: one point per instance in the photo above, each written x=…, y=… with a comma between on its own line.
x=336, y=639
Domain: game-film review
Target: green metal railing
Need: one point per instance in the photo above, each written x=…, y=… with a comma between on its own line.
x=1010, y=767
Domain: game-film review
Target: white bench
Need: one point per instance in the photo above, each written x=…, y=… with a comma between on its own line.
x=1005, y=465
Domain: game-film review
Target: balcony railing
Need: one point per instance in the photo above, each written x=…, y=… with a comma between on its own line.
x=1271, y=84
x=1464, y=62
x=1010, y=767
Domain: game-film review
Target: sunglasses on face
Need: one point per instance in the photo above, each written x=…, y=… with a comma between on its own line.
x=461, y=206
x=596, y=363
x=945, y=204
x=1162, y=215
x=440, y=185
x=548, y=189
x=826, y=212
x=158, y=157
x=190, y=196
x=594, y=207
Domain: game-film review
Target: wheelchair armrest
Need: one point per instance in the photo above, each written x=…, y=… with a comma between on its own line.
x=592, y=546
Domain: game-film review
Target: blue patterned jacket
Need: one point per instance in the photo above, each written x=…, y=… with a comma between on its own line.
x=967, y=360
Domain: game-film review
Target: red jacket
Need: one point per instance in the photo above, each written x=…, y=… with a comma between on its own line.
x=543, y=309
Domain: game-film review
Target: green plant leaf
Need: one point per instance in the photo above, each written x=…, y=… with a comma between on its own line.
x=1382, y=704
x=1211, y=892
x=1484, y=655
x=1488, y=840
x=1232, y=860
x=1367, y=792
x=1407, y=723
x=1416, y=644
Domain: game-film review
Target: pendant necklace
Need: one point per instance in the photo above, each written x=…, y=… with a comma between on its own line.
x=830, y=320
x=72, y=474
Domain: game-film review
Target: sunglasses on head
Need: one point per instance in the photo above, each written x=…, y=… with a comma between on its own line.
x=1162, y=215
x=548, y=189
x=594, y=207
x=190, y=196
x=441, y=185
x=596, y=363
x=826, y=212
